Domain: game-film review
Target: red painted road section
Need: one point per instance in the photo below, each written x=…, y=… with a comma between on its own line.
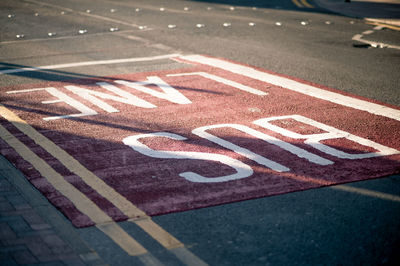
x=157, y=183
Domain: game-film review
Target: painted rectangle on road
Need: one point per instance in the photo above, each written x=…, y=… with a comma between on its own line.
x=211, y=133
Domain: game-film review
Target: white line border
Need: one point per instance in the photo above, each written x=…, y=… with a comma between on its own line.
x=247, y=71
x=296, y=86
x=89, y=63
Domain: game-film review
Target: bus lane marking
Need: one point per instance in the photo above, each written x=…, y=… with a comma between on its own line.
x=290, y=148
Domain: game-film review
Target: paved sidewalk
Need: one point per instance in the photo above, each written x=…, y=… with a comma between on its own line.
x=383, y=11
x=32, y=231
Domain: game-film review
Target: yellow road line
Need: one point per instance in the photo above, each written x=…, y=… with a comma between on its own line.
x=158, y=233
x=392, y=27
x=122, y=238
x=306, y=4
x=297, y=3
x=80, y=200
x=367, y=192
x=135, y=214
x=74, y=166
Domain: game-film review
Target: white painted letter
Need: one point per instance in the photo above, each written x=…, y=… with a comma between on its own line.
x=124, y=97
x=332, y=133
x=62, y=97
x=242, y=170
x=169, y=93
x=255, y=157
x=223, y=81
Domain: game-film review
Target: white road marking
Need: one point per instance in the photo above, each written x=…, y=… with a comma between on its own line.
x=314, y=140
x=168, y=93
x=287, y=83
x=378, y=27
x=368, y=32
x=201, y=132
x=62, y=97
x=223, y=81
x=359, y=38
x=242, y=169
x=88, y=63
x=296, y=86
x=120, y=33
x=24, y=91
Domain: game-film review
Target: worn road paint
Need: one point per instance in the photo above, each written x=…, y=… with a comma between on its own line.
x=158, y=233
x=367, y=192
x=360, y=37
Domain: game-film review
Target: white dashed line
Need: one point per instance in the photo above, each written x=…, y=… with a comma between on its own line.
x=359, y=38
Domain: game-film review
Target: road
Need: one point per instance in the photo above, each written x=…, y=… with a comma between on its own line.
x=298, y=40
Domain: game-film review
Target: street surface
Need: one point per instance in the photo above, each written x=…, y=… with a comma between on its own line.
x=199, y=132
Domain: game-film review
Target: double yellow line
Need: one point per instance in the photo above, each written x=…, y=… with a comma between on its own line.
x=84, y=204
x=302, y=3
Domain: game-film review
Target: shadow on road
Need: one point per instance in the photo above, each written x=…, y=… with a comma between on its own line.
x=41, y=74
x=283, y=5
x=356, y=9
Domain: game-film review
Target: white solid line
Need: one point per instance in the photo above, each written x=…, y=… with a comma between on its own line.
x=88, y=63
x=23, y=91
x=66, y=37
x=368, y=32
x=223, y=81
x=296, y=86
x=379, y=27
x=52, y=101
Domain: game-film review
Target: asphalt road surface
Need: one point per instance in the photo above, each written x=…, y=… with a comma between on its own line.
x=82, y=40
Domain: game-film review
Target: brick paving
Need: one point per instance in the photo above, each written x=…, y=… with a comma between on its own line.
x=26, y=237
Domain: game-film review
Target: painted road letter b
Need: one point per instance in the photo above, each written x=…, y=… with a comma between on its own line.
x=331, y=133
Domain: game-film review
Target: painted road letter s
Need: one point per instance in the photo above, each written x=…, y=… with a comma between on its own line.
x=242, y=170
